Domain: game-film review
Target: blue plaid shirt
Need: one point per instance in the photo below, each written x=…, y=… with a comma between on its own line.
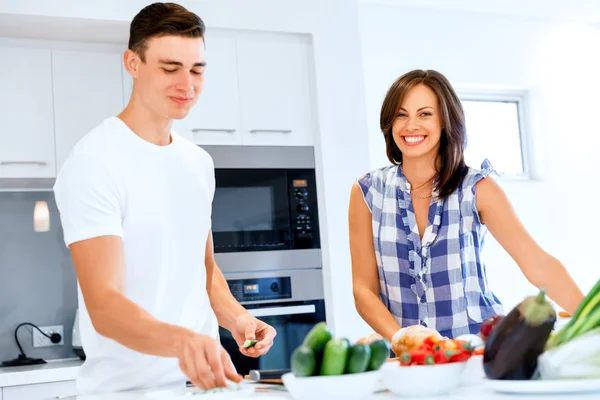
x=440, y=282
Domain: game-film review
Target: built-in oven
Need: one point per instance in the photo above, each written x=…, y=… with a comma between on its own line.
x=290, y=302
x=266, y=235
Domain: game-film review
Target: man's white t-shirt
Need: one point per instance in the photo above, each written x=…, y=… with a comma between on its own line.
x=158, y=200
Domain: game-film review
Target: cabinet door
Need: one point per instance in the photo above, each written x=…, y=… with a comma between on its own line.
x=275, y=91
x=40, y=391
x=27, y=132
x=215, y=118
x=88, y=88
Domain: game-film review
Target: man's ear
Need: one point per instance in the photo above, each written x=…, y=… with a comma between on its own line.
x=131, y=61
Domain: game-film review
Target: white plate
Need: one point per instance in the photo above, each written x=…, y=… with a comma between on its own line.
x=544, y=387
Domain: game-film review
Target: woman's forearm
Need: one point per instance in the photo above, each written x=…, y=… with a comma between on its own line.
x=551, y=275
x=375, y=313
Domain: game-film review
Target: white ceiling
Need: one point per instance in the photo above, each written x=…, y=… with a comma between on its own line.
x=567, y=10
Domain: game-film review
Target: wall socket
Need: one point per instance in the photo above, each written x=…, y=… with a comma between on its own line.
x=40, y=340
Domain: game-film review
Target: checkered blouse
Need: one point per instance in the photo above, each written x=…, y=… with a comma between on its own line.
x=440, y=282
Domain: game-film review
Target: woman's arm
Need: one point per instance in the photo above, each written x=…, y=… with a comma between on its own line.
x=364, y=269
x=539, y=267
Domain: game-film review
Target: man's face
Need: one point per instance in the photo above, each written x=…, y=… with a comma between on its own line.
x=169, y=82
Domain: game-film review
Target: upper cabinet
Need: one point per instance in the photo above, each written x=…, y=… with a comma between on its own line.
x=88, y=88
x=256, y=92
x=215, y=118
x=275, y=91
x=27, y=132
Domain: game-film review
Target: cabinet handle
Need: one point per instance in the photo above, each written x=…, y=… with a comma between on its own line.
x=42, y=163
x=196, y=130
x=271, y=131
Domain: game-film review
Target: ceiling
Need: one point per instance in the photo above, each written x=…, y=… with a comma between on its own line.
x=565, y=10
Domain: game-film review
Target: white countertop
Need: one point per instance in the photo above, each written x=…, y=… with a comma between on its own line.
x=473, y=391
x=53, y=371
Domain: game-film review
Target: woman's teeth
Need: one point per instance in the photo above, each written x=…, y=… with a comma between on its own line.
x=414, y=139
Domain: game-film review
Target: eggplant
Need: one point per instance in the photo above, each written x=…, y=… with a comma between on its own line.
x=514, y=345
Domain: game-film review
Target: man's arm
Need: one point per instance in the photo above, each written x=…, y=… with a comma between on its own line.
x=231, y=314
x=226, y=307
x=100, y=267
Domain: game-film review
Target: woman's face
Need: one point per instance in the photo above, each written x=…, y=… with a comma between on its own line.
x=417, y=128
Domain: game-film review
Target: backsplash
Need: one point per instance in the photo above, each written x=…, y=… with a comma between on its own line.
x=37, y=279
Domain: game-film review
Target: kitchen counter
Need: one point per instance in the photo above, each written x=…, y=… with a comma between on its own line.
x=476, y=390
x=53, y=371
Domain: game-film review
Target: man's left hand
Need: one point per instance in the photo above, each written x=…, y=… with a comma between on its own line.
x=250, y=328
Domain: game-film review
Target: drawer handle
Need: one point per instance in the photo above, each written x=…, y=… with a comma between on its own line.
x=196, y=130
x=271, y=131
x=42, y=163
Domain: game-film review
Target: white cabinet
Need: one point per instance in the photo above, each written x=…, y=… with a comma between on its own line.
x=27, y=131
x=88, y=88
x=215, y=118
x=40, y=391
x=274, y=78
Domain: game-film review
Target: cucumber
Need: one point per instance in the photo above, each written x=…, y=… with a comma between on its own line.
x=359, y=357
x=380, y=352
x=318, y=337
x=335, y=357
x=249, y=343
x=303, y=361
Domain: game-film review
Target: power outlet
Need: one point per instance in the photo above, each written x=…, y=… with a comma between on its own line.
x=40, y=340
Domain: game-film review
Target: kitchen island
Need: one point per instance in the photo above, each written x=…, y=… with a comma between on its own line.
x=476, y=390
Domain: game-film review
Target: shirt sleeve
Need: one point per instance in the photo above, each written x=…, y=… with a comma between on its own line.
x=88, y=199
x=486, y=170
x=366, y=185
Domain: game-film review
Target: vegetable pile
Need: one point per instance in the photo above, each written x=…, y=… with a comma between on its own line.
x=322, y=354
x=523, y=345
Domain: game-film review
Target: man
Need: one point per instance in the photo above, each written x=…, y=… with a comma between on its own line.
x=135, y=205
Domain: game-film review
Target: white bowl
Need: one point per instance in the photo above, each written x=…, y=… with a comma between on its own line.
x=474, y=372
x=350, y=386
x=421, y=380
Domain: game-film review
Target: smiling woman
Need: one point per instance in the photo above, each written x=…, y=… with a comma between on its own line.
x=417, y=227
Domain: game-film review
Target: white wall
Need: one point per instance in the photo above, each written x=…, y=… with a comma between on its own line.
x=558, y=63
x=333, y=25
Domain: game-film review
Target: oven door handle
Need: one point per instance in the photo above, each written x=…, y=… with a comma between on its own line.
x=290, y=310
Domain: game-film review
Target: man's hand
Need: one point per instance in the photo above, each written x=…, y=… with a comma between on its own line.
x=206, y=363
x=249, y=328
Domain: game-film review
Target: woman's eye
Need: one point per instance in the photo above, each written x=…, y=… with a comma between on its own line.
x=401, y=115
x=426, y=114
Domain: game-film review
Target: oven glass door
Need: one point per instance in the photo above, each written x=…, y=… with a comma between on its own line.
x=292, y=323
x=251, y=210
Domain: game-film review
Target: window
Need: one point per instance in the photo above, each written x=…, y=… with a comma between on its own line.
x=495, y=130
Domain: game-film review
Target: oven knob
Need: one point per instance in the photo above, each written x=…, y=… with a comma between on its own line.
x=302, y=207
x=275, y=287
x=299, y=195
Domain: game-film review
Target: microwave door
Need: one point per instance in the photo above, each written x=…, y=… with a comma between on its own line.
x=251, y=210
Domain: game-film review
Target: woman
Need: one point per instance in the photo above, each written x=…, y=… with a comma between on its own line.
x=417, y=227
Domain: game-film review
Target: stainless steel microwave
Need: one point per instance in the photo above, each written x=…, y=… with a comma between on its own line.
x=265, y=201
